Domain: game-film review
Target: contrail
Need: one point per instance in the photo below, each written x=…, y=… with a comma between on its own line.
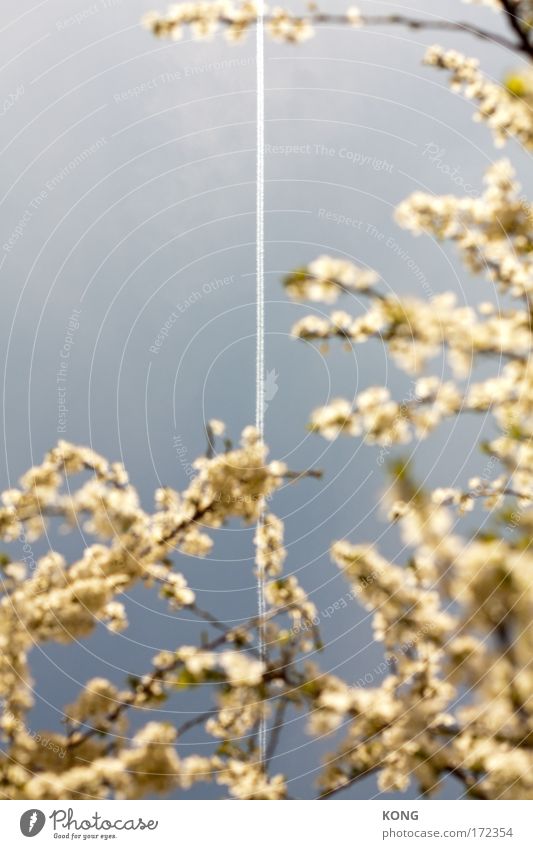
x=260, y=318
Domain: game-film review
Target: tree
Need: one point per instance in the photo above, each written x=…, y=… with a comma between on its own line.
x=455, y=618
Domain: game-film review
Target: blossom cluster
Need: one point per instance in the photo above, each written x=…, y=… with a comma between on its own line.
x=506, y=115
x=454, y=620
x=492, y=231
x=462, y=603
x=205, y=18
x=59, y=601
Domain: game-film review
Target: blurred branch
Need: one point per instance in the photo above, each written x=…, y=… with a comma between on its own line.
x=164, y=25
x=423, y=24
x=411, y=23
x=518, y=25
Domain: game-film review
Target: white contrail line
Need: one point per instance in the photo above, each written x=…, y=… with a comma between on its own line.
x=260, y=344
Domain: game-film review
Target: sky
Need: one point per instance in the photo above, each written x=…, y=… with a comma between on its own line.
x=127, y=239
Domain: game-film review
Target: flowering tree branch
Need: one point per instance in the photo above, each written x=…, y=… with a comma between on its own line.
x=286, y=26
x=454, y=618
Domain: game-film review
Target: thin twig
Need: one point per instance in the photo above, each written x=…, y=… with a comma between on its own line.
x=192, y=723
x=277, y=728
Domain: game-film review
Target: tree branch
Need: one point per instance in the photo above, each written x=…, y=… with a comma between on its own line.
x=515, y=23
x=162, y=26
x=327, y=19
x=422, y=24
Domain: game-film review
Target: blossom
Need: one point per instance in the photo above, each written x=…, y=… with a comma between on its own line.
x=247, y=781
x=326, y=278
x=505, y=114
x=453, y=617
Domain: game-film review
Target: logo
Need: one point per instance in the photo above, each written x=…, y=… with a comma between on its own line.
x=270, y=386
x=32, y=822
